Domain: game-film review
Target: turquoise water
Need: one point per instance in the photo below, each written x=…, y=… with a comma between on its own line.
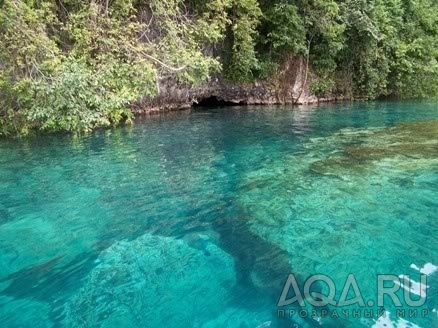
x=196, y=219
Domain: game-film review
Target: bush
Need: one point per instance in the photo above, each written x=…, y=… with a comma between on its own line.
x=322, y=87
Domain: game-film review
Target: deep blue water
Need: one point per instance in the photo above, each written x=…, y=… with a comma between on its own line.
x=196, y=218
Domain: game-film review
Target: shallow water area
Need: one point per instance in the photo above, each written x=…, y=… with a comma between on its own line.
x=196, y=218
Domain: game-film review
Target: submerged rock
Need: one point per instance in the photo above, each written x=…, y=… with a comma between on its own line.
x=406, y=143
x=151, y=279
x=333, y=165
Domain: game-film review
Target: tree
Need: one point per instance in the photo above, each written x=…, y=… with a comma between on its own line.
x=76, y=65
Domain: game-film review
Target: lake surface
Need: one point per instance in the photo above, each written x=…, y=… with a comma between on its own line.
x=196, y=219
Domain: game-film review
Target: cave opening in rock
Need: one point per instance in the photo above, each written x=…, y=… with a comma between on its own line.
x=214, y=101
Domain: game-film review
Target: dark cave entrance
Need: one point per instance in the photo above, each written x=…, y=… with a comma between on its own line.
x=214, y=101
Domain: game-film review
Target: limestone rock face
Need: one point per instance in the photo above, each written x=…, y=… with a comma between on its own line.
x=284, y=88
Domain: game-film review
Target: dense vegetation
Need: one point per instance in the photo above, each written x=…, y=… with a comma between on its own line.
x=72, y=65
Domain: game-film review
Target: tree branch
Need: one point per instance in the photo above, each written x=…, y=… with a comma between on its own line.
x=174, y=69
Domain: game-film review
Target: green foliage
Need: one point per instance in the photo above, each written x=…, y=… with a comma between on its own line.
x=370, y=48
x=322, y=87
x=75, y=97
x=281, y=32
x=414, y=68
x=71, y=65
x=391, y=48
x=242, y=58
x=24, y=46
x=285, y=31
x=76, y=65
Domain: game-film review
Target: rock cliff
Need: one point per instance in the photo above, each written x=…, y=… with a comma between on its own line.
x=285, y=87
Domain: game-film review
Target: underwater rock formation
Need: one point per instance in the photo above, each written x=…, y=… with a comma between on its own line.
x=407, y=145
x=138, y=283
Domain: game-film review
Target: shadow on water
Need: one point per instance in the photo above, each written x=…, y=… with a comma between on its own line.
x=262, y=269
x=259, y=264
x=49, y=280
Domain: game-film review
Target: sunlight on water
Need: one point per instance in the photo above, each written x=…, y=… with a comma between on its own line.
x=196, y=219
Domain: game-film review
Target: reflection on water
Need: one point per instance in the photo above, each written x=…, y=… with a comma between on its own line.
x=195, y=219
